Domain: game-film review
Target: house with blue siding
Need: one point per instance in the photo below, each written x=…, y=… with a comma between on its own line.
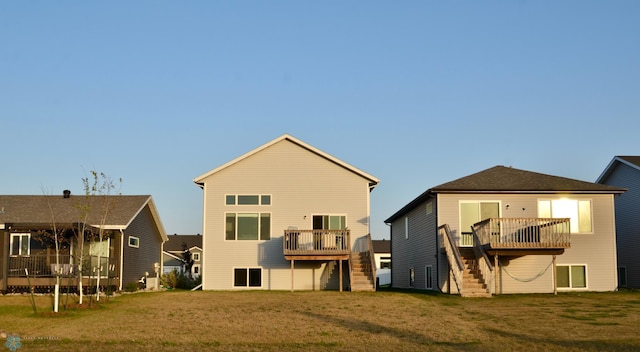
x=624, y=171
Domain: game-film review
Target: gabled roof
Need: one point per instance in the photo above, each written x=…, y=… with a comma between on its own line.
x=174, y=243
x=381, y=246
x=631, y=161
x=501, y=179
x=372, y=180
x=42, y=210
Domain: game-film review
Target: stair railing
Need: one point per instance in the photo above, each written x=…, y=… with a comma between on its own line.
x=483, y=262
x=372, y=260
x=456, y=266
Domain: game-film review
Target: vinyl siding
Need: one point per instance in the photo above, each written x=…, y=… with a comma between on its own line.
x=627, y=220
x=301, y=184
x=596, y=250
x=416, y=251
x=137, y=261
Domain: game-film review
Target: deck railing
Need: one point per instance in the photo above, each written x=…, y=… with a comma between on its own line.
x=524, y=232
x=316, y=242
x=453, y=255
x=44, y=265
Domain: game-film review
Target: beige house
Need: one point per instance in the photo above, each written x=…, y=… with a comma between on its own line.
x=286, y=216
x=504, y=230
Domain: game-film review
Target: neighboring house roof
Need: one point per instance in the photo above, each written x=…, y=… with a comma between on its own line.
x=42, y=210
x=174, y=244
x=502, y=179
x=631, y=161
x=373, y=181
x=381, y=246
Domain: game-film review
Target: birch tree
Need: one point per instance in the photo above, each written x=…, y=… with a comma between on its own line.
x=98, y=204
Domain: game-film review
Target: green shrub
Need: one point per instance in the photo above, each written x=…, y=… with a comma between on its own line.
x=131, y=286
x=169, y=280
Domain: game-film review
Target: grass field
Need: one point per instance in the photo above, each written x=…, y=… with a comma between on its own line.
x=328, y=321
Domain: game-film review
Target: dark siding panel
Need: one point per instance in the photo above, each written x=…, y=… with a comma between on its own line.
x=137, y=261
x=627, y=221
x=417, y=251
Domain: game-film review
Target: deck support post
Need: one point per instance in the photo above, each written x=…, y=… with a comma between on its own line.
x=292, y=265
x=5, y=258
x=340, y=262
x=495, y=272
x=553, y=276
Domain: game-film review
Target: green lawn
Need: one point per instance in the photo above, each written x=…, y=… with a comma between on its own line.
x=329, y=321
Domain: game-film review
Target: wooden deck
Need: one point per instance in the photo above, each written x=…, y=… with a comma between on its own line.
x=316, y=244
x=523, y=236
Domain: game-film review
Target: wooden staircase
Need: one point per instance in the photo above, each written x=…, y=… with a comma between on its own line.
x=361, y=272
x=473, y=284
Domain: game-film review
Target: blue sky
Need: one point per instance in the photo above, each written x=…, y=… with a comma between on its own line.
x=416, y=93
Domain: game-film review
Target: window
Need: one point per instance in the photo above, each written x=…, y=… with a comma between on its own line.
x=579, y=211
x=622, y=276
x=134, y=242
x=428, y=277
x=20, y=244
x=195, y=257
x=385, y=262
x=473, y=212
x=406, y=228
x=195, y=269
x=247, y=199
x=329, y=222
x=248, y=226
x=412, y=277
x=247, y=277
x=571, y=276
x=429, y=208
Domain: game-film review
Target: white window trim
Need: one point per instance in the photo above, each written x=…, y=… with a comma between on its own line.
x=577, y=199
x=412, y=277
x=248, y=287
x=137, y=240
x=586, y=277
x=19, y=236
x=224, y=229
x=195, y=257
x=346, y=217
x=406, y=227
x=236, y=196
x=428, y=283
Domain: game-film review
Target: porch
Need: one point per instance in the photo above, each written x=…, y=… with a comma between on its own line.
x=40, y=271
x=474, y=257
x=523, y=236
x=330, y=245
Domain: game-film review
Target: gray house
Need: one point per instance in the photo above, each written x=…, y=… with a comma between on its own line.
x=173, y=253
x=286, y=215
x=130, y=248
x=504, y=230
x=624, y=171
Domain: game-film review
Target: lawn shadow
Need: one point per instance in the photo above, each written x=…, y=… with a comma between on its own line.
x=582, y=345
x=400, y=334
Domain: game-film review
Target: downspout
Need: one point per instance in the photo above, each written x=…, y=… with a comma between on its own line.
x=121, y=258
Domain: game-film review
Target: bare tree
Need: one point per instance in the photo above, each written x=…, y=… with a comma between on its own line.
x=98, y=204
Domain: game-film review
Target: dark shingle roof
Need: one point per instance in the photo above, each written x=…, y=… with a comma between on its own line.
x=381, y=246
x=502, y=179
x=38, y=210
x=175, y=242
x=508, y=179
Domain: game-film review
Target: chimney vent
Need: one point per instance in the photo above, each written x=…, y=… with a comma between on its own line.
x=66, y=193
